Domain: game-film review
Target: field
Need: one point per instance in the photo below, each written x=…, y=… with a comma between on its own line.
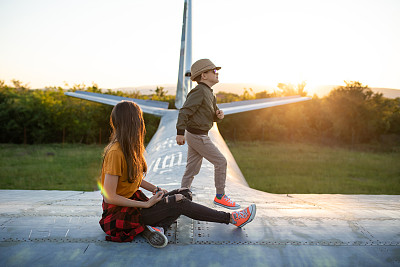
x=303, y=169
x=270, y=167
x=57, y=167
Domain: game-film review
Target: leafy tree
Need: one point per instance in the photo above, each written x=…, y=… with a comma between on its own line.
x=300, y=88
x=19, y=86
x=288, y=89
x=263, y=94
x=394, y=117
x=224, y=97
x=160, y=91
x=354, y=113
x=248, y=94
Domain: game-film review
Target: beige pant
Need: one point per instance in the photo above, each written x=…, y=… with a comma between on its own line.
x=199, y=147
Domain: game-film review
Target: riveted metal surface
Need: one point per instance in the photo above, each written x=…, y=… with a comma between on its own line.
x=61, y=227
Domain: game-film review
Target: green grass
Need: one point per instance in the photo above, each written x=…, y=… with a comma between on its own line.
x=303, y=169
x=57, y=167
x=271, y=167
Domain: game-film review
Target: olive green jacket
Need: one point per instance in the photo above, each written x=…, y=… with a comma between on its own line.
x=198, y=111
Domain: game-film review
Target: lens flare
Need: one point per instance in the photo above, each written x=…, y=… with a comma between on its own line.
x=103, y=191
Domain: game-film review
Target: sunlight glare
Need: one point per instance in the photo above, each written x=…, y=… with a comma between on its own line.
x=103, y=192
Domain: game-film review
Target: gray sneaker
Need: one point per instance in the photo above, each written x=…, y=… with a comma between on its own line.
x=155, y=236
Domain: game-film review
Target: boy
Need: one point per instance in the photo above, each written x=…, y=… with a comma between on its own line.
x=197, y=116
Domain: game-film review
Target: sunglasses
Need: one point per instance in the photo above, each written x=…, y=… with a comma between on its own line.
x=215, y=71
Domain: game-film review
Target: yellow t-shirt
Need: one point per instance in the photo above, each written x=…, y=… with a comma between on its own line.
x=115, y=164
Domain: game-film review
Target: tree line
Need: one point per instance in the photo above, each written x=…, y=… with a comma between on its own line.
x=348, y=115
x=351, y=114
x=48, y=116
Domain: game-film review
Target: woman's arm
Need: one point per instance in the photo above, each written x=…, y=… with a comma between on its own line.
x=152, y=188
x=111, y=196
x=148, y=186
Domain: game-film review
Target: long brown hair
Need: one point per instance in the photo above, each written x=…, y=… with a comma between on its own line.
x=128, y=129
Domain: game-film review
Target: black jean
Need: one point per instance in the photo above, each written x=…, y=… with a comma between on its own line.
x=165, y=212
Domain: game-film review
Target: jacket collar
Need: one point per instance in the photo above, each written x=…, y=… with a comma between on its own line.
x=206, y=86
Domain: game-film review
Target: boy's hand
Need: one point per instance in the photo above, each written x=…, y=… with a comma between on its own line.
x=220, y=114
x=180, y=139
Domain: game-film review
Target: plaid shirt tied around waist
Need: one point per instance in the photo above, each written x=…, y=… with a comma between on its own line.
x=122, y=224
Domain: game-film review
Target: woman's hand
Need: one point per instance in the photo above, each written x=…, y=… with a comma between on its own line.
x=159, y=189
x=164, y=190
x=154, y=199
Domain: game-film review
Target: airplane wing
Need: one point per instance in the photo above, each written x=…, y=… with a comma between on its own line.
x=247, y=105
x=157, y=108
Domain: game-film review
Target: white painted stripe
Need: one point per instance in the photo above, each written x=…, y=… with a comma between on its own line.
x=171, y=163
x=165, y=162
x=179, y=159
x=156, y=165
x=151, y=165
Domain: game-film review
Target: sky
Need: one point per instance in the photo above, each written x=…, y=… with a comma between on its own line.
x=132, y=43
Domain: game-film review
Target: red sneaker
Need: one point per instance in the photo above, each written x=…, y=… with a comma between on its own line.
x=226, y=202
x=243, y=217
